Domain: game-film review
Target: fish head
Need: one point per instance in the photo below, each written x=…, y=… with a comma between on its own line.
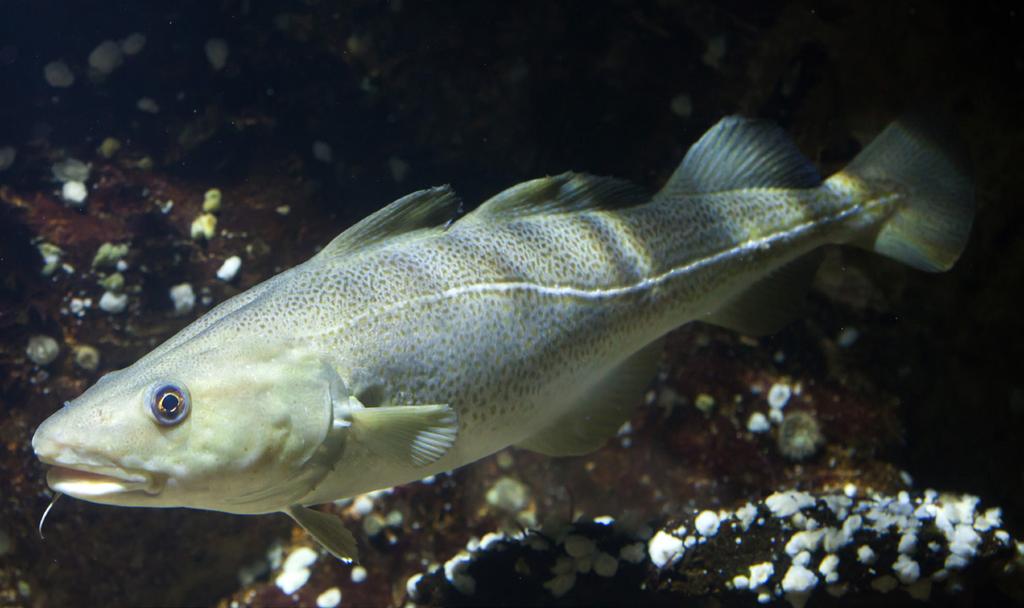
x=229, y=427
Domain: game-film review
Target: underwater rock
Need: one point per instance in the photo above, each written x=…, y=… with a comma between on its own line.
x=750, y=554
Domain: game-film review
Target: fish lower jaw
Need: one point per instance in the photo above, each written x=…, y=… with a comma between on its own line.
x=95, y=483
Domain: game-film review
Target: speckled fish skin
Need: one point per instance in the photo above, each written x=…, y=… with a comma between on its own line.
x=515, y=317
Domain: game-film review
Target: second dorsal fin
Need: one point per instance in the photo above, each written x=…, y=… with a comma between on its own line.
x=561, y=194
x=424, y=209
x=740, y=153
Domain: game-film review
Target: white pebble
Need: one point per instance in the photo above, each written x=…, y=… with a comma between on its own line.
x=74, y=193
x=785, y=504
x=58, y=75
x=183, y=297
x=847, y=337
x=508, y=494
x=965, y=541
x=682, y=105
x=758, y=423
x=106, y=57
x=908, y=542
x=798, y=579
x=632, y=553
x=399, y=168
x=229, y=269
x=7, y=156
x=77, y=306
x=579, y=546
x=605, y=565
x=455, y=571
x=805, y=540
x=906, y=569
x=147, y=105
x=295, y=571
x=885, y=584
x=866, y=555
x=70, y=170
x=828, y=567
x=114, y=303
x=217, y=53
x=560, y=584
x=746, y=515
x=956, y=562
x=411, y=584
x=363, y=505
x=740, y=582
x=992, y=518
x=760, y=573
x=778, y=395
x=664, y=548
x=707, y=523
x=358, y=574
x=329, y=598
x=42, y=350
x=714, y=52
x=322, y=151
x=133, y=44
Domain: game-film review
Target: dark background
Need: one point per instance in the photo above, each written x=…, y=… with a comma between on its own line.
x=483, y=95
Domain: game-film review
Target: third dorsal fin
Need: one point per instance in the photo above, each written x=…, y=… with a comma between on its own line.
x=561, y=193
x=740, y=153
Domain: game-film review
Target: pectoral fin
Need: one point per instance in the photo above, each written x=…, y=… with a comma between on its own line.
x=417, y=434
x=327, y=530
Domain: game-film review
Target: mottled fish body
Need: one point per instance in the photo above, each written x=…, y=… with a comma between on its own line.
x=414, y=344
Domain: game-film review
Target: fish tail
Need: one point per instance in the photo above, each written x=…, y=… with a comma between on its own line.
x=929, y=229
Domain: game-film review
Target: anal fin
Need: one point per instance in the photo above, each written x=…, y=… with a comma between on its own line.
x=598, y=414
x=327, y=530
x=771, y=303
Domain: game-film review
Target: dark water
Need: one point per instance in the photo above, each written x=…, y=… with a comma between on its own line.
x=334, y=109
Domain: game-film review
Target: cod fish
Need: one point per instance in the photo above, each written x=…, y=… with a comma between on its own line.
x=414, y=342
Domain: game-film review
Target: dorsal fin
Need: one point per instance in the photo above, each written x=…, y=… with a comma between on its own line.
x=424, y=209
x=740, y=153
x=561, y=194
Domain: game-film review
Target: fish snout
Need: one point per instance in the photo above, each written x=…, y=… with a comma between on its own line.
x=45, y=441
x=79, y=469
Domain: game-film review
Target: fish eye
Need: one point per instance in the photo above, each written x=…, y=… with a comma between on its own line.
x=169, y=404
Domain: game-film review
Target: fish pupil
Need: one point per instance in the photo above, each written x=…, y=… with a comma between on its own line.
x=169, y=403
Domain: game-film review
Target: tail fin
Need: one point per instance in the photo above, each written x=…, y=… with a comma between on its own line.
x=930, y=231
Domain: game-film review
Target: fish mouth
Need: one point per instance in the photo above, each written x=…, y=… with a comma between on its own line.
x=85, y=481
